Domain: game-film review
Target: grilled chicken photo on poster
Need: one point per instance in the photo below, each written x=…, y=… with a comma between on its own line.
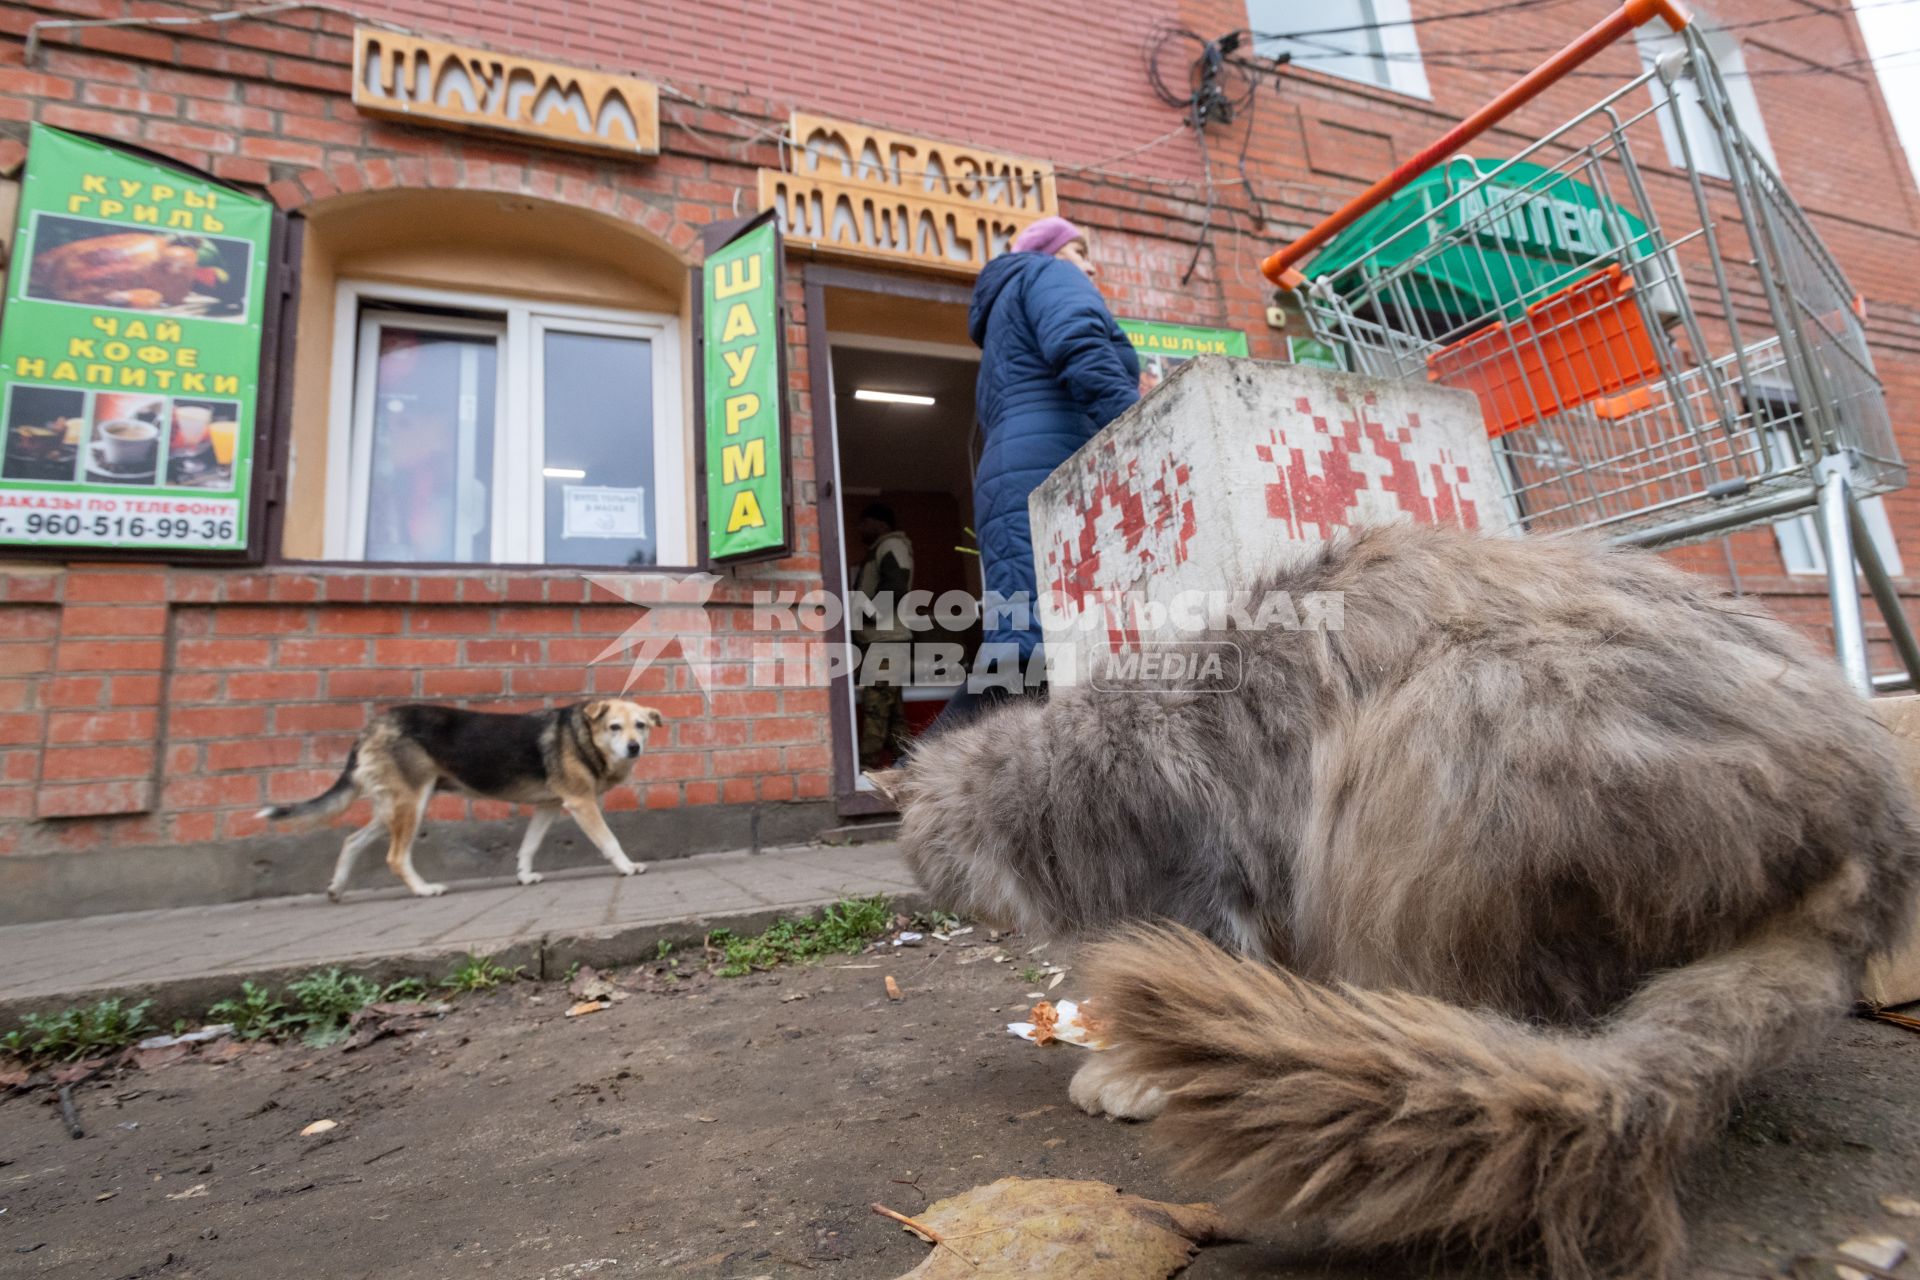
x=98, y=264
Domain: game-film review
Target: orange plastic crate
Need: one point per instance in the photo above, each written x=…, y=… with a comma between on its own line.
x=1582, y=342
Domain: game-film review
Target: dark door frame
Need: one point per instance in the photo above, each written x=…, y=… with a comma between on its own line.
x=820, y=276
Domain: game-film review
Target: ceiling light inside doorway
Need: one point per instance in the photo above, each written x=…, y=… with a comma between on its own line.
x=563, y=473
x=890, y=397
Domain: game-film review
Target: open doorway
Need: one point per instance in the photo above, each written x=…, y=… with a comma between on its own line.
x=904, y=426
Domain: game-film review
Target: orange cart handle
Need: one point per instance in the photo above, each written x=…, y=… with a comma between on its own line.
x=1279, y=268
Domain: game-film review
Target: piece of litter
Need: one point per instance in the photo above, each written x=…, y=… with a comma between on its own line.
x=893, y=988
x=798, y=995
x=201, y=1036
x=856, y=966
x=1063, y=1022
x=1901, y=1206
x=128, y=1125
x=909, y=939
x=193, y=1192
x=585, y=1007
x=1883, y=1253
x=1036, y=995
x=319, y=1126
x=708, y=1119
x=105, y=1195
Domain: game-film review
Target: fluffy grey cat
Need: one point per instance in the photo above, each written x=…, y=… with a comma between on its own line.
x=1474, y=913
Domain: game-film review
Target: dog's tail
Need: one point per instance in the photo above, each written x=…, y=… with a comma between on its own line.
x=328, y=803
x=1397, y=1119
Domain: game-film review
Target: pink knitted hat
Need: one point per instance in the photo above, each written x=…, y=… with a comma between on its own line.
x=1048, y=236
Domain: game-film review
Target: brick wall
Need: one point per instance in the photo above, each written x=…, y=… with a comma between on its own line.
x=167, y=706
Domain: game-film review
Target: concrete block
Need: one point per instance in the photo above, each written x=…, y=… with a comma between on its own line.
x=1226, y=468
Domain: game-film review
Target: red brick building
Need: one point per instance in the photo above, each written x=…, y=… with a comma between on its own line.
x=486, y=280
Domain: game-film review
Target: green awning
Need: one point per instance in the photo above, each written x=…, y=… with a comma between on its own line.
x=1526, y=230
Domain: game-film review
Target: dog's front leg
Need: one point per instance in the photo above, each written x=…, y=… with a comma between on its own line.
x=530, y=843
x=587, y=814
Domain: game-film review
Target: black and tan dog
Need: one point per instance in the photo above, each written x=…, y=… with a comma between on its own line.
x=563, y=759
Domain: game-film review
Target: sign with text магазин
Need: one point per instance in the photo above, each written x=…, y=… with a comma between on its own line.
x=855, y=191
x=129, y=354
x=1162, y=346
x=740, y=366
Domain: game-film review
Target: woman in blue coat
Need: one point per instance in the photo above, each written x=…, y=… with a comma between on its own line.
x=1054, y=370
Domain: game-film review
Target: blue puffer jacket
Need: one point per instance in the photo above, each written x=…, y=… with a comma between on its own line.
x=1054, y=369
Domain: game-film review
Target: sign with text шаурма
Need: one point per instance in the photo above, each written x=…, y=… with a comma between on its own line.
x=129, y=353
x=745, y=459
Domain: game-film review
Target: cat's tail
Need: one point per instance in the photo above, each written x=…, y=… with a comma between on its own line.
x=1396, y=1119
x=333, y=800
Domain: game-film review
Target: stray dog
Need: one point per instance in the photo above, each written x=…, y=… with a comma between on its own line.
x=1480, y=909
x=566, y=758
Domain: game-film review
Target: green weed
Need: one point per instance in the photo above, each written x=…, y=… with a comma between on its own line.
x=79, y=1032
x=325, y=999
x=480, y=973
x=256, y=1014
x=843, y=928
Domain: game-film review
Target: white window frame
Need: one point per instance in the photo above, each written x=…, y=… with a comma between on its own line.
x=1803, y=555
x=1710, y=160
x=1399, y=59
x=519, y=405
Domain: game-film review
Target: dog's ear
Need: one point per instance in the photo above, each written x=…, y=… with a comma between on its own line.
x=891, y=783
x=598, y=711
x=652, y=717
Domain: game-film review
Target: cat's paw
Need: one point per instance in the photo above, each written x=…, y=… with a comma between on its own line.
x=1104, y=1087
x=531, y=877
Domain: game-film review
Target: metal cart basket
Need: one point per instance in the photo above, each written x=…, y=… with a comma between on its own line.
x=1660, y=356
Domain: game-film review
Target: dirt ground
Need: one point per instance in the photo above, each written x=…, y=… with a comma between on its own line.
x=742, y=1128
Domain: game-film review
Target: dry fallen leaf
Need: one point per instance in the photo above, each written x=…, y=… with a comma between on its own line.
x=193, y=1192
x=893, y=988
x=588, y=984
x=1882, y=1253
x=319, y=1126
x=1901, y=1206
x=1058, y=1229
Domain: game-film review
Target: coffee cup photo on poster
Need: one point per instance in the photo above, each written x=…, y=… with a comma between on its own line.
x=204, y=437
x=45, y=427
x=127, y=439
x=105, y=264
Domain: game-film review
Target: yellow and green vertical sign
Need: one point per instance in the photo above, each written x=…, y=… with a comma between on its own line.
x=744, y=444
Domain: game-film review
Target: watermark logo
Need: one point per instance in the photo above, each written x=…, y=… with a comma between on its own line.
x=786, y=638
x=1171, y=666
x=674, y=621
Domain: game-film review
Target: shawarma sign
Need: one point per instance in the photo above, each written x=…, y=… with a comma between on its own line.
x=433, y=82
x=861, y=192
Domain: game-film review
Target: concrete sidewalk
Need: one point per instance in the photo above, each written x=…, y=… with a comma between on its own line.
x=186, y=956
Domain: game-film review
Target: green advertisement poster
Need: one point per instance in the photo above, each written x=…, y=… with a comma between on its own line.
x=745, y=460
x=1162, y=346
x=129, y=353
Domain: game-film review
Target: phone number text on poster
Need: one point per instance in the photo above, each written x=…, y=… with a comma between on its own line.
x=110, y=521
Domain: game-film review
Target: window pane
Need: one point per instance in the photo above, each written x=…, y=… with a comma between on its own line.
x=429, y=494
x=599, y=483
x=1353, y=54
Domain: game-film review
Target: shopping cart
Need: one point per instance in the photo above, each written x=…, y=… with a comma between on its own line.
x=1660, y=356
